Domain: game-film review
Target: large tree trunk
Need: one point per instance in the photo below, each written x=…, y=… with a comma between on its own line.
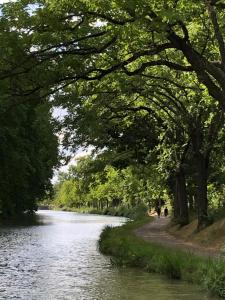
x=201, y=162
x=191, y=203
x=201, y=192
x=183, y=217
x=174, y=193
x=176, y=205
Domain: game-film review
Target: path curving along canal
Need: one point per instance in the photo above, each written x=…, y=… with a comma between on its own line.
x=58, y=259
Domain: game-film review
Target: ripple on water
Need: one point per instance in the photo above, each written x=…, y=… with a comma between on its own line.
x=59, y=260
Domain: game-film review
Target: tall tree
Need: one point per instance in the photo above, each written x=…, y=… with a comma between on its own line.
x=28, y=153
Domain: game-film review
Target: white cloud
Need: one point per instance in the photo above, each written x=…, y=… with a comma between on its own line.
x=80, y=153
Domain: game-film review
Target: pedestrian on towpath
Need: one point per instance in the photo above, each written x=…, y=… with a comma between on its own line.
x=166, y=211
x=158, y=210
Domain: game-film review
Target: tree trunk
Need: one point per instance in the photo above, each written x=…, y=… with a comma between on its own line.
x=201, y=192
x=201, y=162
x=176, y=203
x=183, y=217
x=173, y=187
x=191, y=202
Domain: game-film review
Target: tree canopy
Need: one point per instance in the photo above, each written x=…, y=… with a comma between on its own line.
x=141, y=79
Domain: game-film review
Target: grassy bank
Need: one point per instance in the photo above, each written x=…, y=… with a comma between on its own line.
x=126, y=249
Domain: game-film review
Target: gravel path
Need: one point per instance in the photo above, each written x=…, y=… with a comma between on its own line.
x=155, y=232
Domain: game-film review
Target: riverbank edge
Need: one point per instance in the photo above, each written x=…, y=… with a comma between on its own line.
x=126, y=249
x=120, y=211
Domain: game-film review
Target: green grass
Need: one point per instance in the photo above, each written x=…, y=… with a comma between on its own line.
x=126, y=249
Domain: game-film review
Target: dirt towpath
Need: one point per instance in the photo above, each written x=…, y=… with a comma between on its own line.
x=155, y=232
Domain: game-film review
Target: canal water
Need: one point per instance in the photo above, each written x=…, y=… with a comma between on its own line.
x=59, y=259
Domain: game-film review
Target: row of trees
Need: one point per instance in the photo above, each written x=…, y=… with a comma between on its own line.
x=103, y=183
x=94, y=184
x=145, y=77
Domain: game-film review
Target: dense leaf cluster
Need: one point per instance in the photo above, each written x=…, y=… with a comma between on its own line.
x=28, y=152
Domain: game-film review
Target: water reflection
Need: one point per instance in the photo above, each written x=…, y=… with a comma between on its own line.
x=23, y=220
x=59, y=260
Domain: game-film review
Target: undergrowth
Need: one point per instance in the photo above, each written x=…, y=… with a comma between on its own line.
x=122, y=210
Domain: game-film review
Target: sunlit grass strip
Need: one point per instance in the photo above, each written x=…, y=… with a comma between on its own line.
x=126, y=249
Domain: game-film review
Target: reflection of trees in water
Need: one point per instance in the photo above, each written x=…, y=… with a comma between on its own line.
x=26, y=219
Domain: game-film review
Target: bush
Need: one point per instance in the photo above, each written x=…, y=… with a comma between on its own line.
x=133, y=213
x=214, y=277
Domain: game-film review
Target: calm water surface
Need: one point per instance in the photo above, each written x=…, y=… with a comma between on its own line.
x=60, y=260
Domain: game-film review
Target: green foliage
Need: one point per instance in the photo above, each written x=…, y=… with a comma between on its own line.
x=123, y=210
x=95, y=184
x=28, y=153
x=67, y=195
x=214, y=278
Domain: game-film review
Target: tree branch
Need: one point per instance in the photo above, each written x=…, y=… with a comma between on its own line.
x=69, y=43
x=159, y=62
x=218, y=34
x=110, y=19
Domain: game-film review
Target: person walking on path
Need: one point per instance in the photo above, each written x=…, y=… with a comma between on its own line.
x=158, y=210
x=166, y=212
